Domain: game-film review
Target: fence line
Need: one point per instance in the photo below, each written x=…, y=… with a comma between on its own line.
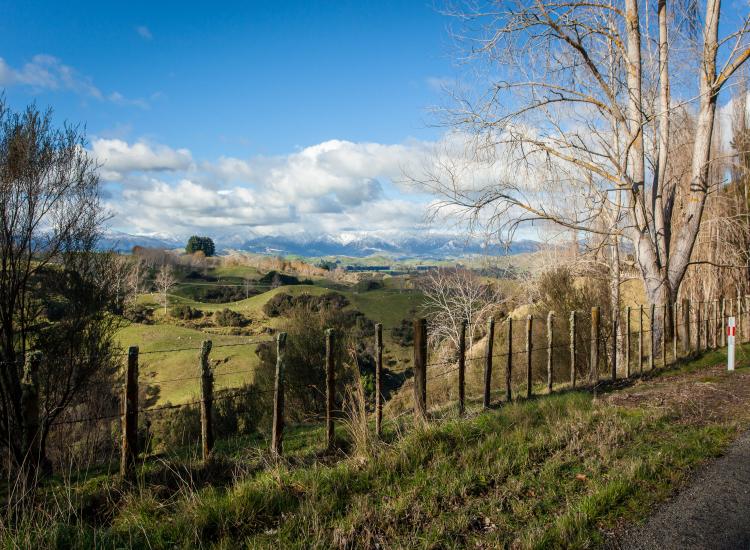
x=699, y=326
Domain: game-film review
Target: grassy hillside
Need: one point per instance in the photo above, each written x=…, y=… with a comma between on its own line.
x=557, y=471
x=386, y=306
x=165, y=371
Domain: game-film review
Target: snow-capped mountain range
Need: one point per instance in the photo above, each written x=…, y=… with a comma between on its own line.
x=355, y=244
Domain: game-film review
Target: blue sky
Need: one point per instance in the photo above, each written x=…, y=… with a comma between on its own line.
x=219, y=101
x=238, y=119
x=238, y=78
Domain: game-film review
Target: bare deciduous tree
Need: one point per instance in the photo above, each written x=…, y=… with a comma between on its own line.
x=580, y=110
x=455, y=295
x=136, y=278
x=164, y=282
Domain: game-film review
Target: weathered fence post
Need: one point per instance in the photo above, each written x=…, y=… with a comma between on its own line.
x=330, y=388
x=686, y=340
x=207, y=398
x=573, y=349
x=594, y=374
x=718, y=325
x=640, y=339
x=698, y=327
x=740, y=308
x=550, y=347
x=707, y=324
x=378, y=379
x=462, y=369
x=722, y=323
x=613, y=359
x=420, y=368
x=488, y=361
x=652, y=339
x=664, y=336
x=129, y=450
x=509, y=362
x=674, y=333
x=277, y=429
x=715, y=324
x=30, y=411
x=529, y=352
x=627, y=342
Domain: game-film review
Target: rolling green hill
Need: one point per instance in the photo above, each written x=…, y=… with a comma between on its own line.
x=234, y=365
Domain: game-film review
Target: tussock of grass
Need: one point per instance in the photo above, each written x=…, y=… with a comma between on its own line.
x=544, y=473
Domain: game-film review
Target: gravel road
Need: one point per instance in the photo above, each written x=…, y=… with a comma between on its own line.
x=713, y=511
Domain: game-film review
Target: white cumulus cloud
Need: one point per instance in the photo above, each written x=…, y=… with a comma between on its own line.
x=119, y=158
x=329, y=187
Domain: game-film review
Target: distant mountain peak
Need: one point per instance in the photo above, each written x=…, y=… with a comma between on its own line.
x=358, y=244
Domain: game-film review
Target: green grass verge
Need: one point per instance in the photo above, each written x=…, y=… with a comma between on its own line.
x=545, y=473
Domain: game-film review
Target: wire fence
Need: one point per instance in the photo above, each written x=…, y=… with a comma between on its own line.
x=580, y=350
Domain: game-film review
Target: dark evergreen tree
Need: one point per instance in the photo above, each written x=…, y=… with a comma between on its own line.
x=204, y=244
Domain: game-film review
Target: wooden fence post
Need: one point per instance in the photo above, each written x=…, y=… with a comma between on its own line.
x=613, y=359
x=715, y=324
x=718, y=324
x=723, y=322
x=573, y=349
x=652, y=339
x=594, y=375
x=707, y=324
x=420, y=368
x=686, y=340
x=550, y=347
x=698, y=327
x=330, y=389
x=277, y=429
x=529, y=352
x=740, y=309
x=207, y=398
x=640, y=339
x=129, y=446
x=627, y=342
x=30, y=411
x=462, y=369
x=674, y=333
x=488, y=361
x=664, y=336
x=509, y=363
x=378, y=379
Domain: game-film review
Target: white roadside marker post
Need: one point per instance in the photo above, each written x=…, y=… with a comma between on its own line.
x=731, y=331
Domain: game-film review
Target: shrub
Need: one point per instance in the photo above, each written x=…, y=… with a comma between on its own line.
x=306, y=325
x=366, y=285
x=196, y=275
x=228, y=318
x=283, y=303
x=236, y=411
x=221, y=294
x=276, y=279
x=404, y=333
x=139, y=313
x=185, y=312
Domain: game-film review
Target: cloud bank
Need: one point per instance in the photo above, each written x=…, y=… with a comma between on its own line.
x=330, y=187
